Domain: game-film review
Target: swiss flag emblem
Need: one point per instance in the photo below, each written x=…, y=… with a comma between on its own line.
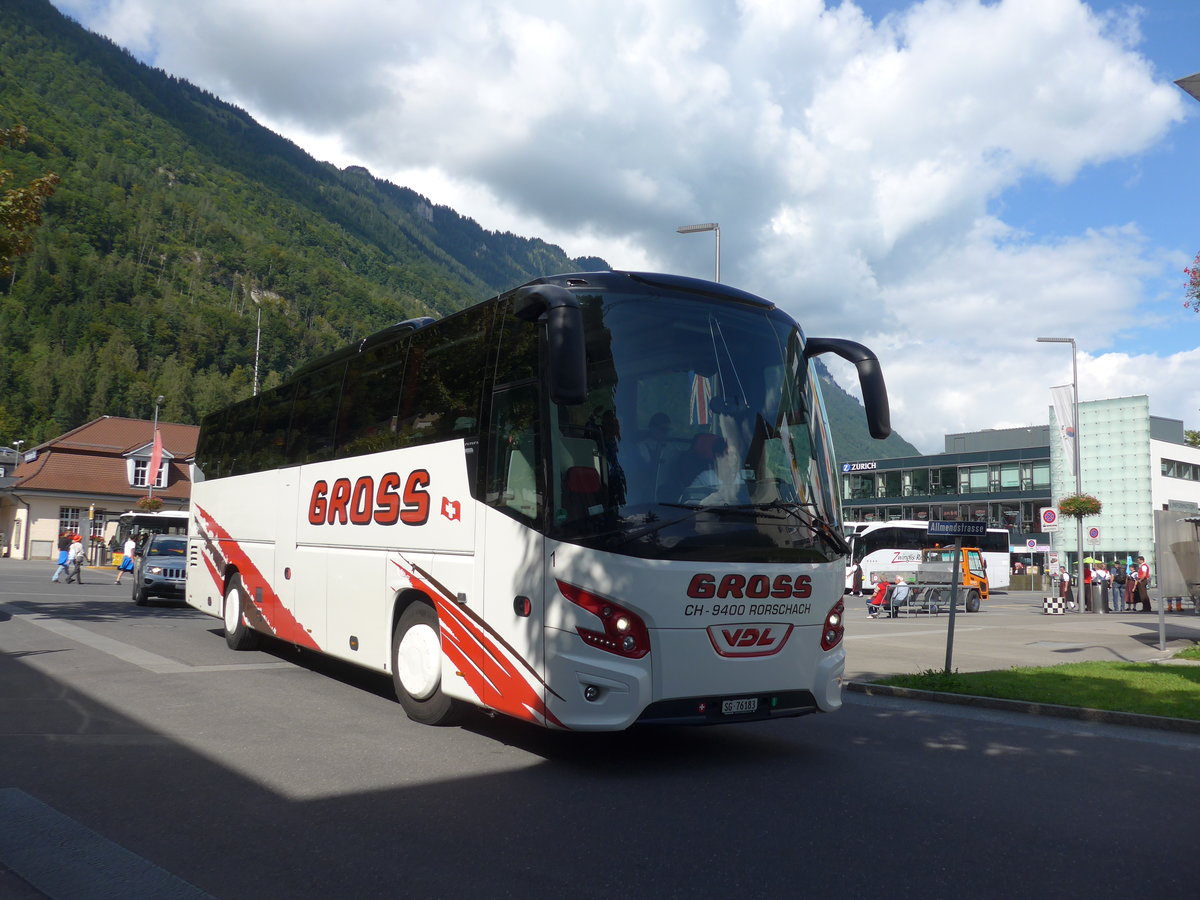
x=451, y=509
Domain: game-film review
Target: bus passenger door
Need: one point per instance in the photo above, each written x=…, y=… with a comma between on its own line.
x=510, y=556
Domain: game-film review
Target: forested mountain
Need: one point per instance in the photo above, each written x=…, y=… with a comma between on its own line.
x=174, y=213
x=848, y=422
x=178, y=218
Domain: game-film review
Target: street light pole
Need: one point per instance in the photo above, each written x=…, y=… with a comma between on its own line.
x=257, y=341
x=706, y=226
x=1097, y=604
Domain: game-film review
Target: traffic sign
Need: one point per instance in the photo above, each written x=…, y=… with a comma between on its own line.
x=1049, y=516
x=937, y=526
x=1093, y=535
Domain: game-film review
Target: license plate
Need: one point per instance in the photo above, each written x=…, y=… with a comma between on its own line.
x=745, y=705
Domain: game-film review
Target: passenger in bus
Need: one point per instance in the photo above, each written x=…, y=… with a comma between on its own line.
x=695, y=471
x=650, y=448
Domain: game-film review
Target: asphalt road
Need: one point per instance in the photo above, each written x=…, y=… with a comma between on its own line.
x=141, y=758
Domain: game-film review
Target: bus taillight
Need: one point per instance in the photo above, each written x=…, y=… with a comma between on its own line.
x=834, y=627
x=625, y=634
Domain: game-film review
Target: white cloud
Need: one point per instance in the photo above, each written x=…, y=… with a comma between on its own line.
x=856, y=167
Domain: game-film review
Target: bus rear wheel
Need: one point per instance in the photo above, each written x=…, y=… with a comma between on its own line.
x=238, y=635
x=973, y=601
x=417, y=667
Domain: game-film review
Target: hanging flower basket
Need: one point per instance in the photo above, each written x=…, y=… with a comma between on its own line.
x=1078, y=506
x=150, y=504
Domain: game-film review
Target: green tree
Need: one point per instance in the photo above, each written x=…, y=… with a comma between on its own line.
x=1192, y=438
x=20, y=207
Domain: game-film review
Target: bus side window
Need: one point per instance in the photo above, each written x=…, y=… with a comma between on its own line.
x=210, y=456
x=274, y=414
x=367, y=421
x=513, y=467
x=240, y=437
x=443, y=381
x=310, y=438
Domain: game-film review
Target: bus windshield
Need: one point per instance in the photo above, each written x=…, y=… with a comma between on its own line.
x=702, y=436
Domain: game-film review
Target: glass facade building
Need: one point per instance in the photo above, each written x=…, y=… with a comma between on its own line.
x=1001, y=477
x=1135, y=463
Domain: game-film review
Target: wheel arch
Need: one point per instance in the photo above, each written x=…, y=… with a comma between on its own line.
x=406, y=598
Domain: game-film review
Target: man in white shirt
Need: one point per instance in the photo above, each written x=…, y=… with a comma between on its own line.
x=75, y=561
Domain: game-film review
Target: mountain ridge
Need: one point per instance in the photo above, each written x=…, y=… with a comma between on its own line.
x=177, y=215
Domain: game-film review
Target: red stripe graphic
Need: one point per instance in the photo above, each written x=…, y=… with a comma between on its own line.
x=497, y=675
x=277, y=616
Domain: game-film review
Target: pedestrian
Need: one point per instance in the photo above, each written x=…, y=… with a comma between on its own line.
x=1130, y=587
x=856, y=581
x=1141, y=594
x=127, y=558
x=64, y=549
x=875, y=604
x=75, y=561
x=1118, y=587
x=1064, y=587
x=1100, y=577
x=1087, y=587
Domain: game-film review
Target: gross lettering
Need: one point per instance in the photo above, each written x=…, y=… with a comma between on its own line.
x=366, y=500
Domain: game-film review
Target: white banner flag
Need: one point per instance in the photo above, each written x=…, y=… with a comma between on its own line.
x=1063, y=397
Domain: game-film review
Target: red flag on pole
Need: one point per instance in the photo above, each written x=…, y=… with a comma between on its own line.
x=155, y=460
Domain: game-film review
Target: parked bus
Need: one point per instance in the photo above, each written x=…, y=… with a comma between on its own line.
x=141, y=522
x=897, y=545
x=592, y=501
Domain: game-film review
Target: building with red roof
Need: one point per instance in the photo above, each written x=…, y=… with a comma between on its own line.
x=82, y=481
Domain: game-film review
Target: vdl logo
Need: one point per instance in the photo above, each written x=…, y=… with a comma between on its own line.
x=749, y=640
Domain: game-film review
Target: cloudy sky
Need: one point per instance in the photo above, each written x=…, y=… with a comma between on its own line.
x=943, y=181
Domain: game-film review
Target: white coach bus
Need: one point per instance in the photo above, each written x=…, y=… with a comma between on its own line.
x=898, y=545
x=593, y=501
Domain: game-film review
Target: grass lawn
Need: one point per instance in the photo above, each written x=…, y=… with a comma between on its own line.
x=1154, y=690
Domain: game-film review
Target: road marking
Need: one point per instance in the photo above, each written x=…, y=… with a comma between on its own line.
x=891, y=635
x=135, y=656
x=63, y=858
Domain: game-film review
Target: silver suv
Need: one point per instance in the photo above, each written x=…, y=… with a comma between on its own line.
x=160, y=570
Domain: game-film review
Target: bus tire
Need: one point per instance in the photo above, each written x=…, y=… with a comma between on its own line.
x=972, y=601
x=417, y=667
x=238, y=635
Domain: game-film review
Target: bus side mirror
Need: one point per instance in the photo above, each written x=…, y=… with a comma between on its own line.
x=566, y=354
x=870, y=377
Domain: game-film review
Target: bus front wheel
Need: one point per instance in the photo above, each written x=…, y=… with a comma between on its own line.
x=238, y=635
x=973, y=601
x=417, y=667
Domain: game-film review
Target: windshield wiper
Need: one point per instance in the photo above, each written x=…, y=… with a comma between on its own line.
x=814, y=522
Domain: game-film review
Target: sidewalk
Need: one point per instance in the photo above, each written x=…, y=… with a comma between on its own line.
x=1011, y=630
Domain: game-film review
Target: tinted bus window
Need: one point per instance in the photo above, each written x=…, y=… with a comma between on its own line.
x=367, y=421
x=239, y=437
x=210, y=457
x=271, y=428
x=310, y=438
x=443, y=380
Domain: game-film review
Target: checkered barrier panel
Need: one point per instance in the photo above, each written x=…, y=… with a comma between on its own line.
x=1054, y=606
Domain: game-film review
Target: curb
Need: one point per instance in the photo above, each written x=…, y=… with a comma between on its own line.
x=1102, y=716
